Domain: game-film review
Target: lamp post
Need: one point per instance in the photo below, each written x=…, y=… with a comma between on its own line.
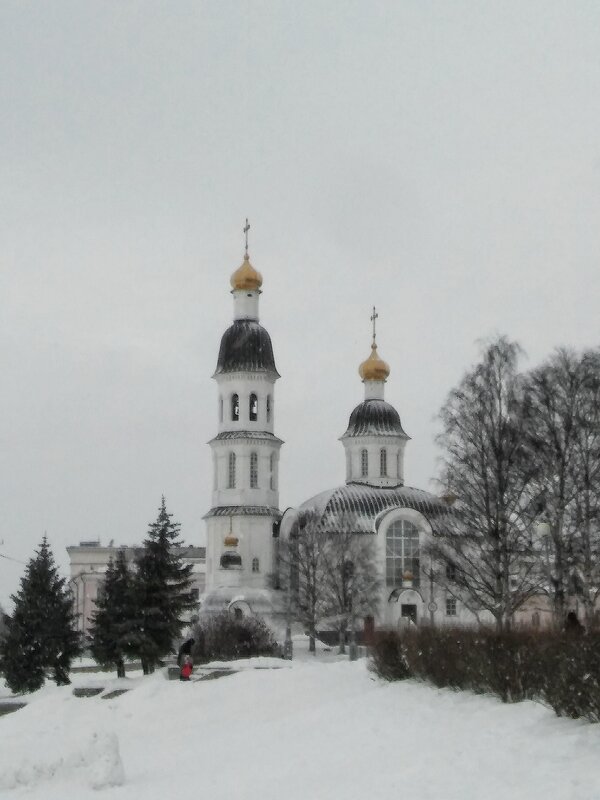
x=432, y=605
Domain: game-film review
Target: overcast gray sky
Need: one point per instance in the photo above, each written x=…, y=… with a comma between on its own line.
x=440, y=160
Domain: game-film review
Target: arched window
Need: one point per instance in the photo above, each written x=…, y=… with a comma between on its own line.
x=348, y=465
x=268, y=408
x=364, y=463
x=272, y=470
x=221, y=408
x=402, y=553
x=235, y=407
x=253, y=471
x=231, y=465
x=398, y=466
x=255, y=565
x=253, y=408
x=383, y=462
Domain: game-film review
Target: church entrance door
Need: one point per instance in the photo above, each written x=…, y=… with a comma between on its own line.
x=408, y=612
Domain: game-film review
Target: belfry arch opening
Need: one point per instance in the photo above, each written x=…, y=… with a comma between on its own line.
x=253, y=407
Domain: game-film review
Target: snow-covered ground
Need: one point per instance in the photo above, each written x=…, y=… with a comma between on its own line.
x=320, y=729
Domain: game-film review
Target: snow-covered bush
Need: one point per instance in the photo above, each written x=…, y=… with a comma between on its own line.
x=389, y=656
x=560, y=670
x=572, y=682
x=225, y=637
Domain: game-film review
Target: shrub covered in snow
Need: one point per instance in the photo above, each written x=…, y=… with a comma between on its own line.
x=225, y=637
x=559, y=670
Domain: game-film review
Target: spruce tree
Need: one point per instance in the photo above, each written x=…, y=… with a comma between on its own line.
x=40, y=634
x=163, y=590
x=114, y=630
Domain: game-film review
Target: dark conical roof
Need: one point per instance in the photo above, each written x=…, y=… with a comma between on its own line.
x=246, y=347
x=374, y=418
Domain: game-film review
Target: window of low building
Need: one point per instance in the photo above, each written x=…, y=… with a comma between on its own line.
x=450, y=606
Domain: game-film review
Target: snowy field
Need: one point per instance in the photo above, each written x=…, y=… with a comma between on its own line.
x=324, y=729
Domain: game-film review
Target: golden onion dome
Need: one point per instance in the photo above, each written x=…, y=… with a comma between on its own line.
x=230, y=540
x=374, y=368
x=246, y=277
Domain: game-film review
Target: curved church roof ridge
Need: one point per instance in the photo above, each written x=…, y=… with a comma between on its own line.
x=367, y=503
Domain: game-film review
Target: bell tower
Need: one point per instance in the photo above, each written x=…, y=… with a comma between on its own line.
x=245, y=451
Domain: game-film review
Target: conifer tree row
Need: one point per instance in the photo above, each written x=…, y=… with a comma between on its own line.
x=162, y=588
x=139, y=612
x=40, y=635
x=114, y=632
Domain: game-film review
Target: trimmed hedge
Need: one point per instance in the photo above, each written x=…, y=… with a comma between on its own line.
x=559, y=670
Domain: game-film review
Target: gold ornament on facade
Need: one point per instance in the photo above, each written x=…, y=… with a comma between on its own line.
x=246, y=277
x=374, y=368
x=230, y=540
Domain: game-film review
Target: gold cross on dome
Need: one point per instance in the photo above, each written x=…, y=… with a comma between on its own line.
x=246, y=229
x=374, y=317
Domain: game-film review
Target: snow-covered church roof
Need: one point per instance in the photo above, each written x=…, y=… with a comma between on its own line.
x=367, y=505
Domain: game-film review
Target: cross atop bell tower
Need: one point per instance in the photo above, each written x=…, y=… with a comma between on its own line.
x=374, y=318
x=246, y=229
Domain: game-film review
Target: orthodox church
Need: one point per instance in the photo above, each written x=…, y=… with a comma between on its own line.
x=240, y=526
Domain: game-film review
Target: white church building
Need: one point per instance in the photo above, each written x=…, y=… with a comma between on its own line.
x=235, y=571
x=240, y=545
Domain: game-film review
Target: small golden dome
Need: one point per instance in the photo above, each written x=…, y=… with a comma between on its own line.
x=374, y=368
x=230, y=540
x=246, y=277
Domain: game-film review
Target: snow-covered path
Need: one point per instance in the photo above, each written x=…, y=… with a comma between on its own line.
x=313, y=731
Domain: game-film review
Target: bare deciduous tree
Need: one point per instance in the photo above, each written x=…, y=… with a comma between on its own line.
x=587, y=482
x=352, y=582
x=486, y=540
x=563, y=425
x=302, y=571
x=552, y=419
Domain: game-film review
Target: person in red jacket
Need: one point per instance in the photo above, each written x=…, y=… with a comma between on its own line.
x=186, y=669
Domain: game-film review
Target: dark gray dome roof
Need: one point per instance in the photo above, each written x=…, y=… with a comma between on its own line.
x=367, y=504
x=246, y=346
x=375, y=417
